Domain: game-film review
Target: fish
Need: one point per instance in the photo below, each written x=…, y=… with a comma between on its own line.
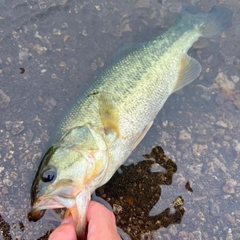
x=113, y=115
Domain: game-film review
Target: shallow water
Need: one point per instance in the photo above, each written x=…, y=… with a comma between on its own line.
x=62, y=45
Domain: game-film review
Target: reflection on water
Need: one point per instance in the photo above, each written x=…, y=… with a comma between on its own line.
x=135, y=191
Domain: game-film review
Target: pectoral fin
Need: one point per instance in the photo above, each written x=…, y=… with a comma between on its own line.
x=189, y=70
x=108, y=113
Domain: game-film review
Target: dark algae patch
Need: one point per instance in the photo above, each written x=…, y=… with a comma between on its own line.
x=188, y=187
x=46, y=236
x=135, y=191
x=5, y=229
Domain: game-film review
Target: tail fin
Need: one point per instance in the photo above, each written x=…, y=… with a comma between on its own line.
x=217, y=20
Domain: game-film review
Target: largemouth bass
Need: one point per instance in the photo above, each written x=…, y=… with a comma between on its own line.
x=109, y=120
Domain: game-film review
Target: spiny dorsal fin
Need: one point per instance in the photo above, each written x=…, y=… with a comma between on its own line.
x=189, y=70
x=108, y=113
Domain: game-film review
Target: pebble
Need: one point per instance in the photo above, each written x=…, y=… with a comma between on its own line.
x=229, y=234
x=7, y=182
x=231, y=219
x=175, y=8
x=229, y=186
x=183, y=235
x=201, y=216
x=37, y=140
x=14, y=175
x=237, y=145
x=15, y=127
x=184, y=135
x=221, y=124
x=194, y=171
x=215, y=210
x=29, y=135
x=4, y=99
x=167, y=3
x=50, y=103
x=181, y=180
x=237, y=102
x=235, y=78
x=117, y=208
x=173, y=230
x=23, y=55
x=30, y=166
x=39, y=49
x=197, y=235
x=5, y=190
x=223, y=82
x=199, y=148
x=25, y=178
x=97, y=63
x=219, y=164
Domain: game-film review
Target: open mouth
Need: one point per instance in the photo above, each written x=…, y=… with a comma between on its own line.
x=44, y=203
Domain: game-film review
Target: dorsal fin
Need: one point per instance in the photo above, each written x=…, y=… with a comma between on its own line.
x=189, y=70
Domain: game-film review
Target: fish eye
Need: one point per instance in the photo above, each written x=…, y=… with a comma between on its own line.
x=49, y=175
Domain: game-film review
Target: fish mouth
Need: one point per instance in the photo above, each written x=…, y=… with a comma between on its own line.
x=76, y=207
x=41, y=205
x=57, y=199
x=35, y=215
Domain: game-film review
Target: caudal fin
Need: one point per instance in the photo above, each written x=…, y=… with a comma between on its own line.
x=217, y=20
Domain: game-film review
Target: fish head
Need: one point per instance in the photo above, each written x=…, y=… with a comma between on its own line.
x=69, y=172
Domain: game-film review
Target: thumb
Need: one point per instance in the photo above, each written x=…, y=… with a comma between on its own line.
x=65, y=231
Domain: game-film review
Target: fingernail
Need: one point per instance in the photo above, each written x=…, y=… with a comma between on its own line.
x=67, y=220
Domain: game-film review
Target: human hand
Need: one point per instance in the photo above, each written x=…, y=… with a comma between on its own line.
x=101, y=225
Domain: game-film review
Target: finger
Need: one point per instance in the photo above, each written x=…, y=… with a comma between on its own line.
x=101, y=223
x=66, y=231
